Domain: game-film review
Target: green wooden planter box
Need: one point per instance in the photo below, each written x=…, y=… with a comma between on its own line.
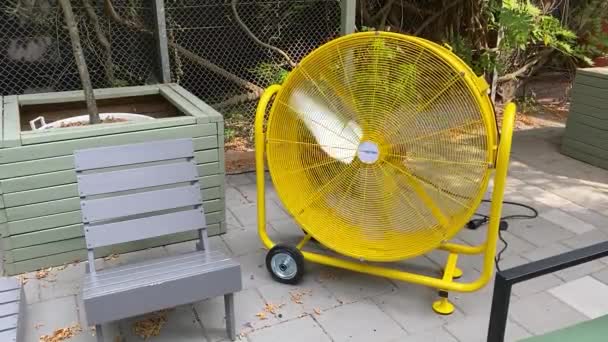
x=586, y=136
x=40, y=222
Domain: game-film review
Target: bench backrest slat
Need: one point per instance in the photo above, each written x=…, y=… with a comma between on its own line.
x=143, y=228
x=139, y=191
x=96, y=158
x=136, y=178
x=140, y=203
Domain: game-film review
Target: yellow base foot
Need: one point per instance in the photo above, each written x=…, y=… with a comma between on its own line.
x=443, y=306
x=457, y=273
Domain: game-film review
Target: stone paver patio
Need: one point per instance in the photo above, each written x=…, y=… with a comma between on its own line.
x=335, y=305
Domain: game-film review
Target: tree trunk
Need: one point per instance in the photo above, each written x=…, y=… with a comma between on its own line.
x=68, y=15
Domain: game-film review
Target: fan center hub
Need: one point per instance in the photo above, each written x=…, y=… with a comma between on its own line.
x=368, y=152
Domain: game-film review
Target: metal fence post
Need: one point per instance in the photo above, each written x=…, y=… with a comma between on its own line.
x=161, y=41
x=347, y=17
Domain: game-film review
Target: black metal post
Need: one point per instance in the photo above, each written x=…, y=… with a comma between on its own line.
x=500, y=309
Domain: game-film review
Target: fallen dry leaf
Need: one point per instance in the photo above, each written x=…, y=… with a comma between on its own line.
x=317, y=311
x=61, y=334
x=151, y=325
x=296, y=295
x=43, y=273
x=38, y=325
x=272, y=308
x=261, y=315
x=326, y=275
x=112, y=257
x=22, y=279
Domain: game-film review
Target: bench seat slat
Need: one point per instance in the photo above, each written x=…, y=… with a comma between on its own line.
x=95, y=158
x=155, y=267
x=143, y=228
x=136, y=178
x=8, y=284
x=9, y=309
x=8, y=336
x=131, y=295
x=140, y=203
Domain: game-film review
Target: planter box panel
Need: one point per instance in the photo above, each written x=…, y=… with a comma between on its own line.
x=601, y=153
x=600, y=93
x=67, y=147
x=571, y=149
x=1, y=121
x=72, y=217
x=80, y=255
x=72, y=231
x=212, y=114
x=579, y=97
x=69, y=133
x=205, y=143
x=210, y=191
x=43, y=222
x=3, y=217
x=579, y=107
x=38, y=181
x=588, y=120
x=78, y=95
x=600, y=72
x=592, y=81
x=11, y=122
x=182, y=104
x=587, y=134
x=46, y=165
x=56, y=247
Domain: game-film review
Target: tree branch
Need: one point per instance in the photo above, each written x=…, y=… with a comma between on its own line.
x=434, y=17
x=383, y=11
x=103, y=40
x=543, y=56
x=110, y=12
x=235, y=100
x=234, y=3
x=81, y=63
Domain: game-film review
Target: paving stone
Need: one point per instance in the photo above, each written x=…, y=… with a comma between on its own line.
x=567, y=221
x=239, y=179
x=246, y=240
x=362, y=321
x=44, y=317
x=349, y=287
x=253, y=270
x=583, y=195
x=596, y=219
x=547, y=198
x=475, y=329
x=231, y=220
x=289, y=231
x=516, y=245
x=542, y=312
x=304, y=329
x=247, y=214
x=234, y=197
x=587, y=239
x=61, y=282
x=570, y=273
x=249, y=191
x=536, y=285
x=247, y=303
x=308, y=297
x=436, y=335
x=181, y=325
x=420, y=265
x=539, y=231
x=411, y=307
x=587, y=295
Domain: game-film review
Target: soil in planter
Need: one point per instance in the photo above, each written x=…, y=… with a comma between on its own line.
x=155, y=106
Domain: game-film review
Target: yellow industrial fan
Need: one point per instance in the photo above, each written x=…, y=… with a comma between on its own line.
x=381, y=147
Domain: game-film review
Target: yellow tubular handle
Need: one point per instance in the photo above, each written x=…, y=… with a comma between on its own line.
x=259, y=163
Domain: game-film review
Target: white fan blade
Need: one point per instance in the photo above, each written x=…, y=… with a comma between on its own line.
x=337, y=137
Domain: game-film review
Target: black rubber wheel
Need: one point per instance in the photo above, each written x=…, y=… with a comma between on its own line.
x=285, y=264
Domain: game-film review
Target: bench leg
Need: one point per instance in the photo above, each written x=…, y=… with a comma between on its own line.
x=98, y=333
x=230, y=319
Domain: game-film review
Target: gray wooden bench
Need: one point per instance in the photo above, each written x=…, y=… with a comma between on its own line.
x=12, y=302
x=141, y=191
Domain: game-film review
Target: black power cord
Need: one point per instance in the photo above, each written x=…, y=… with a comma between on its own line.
x=504, y=225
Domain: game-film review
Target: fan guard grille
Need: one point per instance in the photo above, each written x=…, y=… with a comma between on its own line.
x=380, y=145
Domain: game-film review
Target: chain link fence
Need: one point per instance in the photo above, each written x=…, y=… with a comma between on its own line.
x=224, y=51
x=36, y=52
x=238, y=48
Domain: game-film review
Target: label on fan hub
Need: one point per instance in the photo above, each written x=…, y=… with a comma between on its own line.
x=368, y=152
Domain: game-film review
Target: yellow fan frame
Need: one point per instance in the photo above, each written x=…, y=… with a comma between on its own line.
x=500, y=153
